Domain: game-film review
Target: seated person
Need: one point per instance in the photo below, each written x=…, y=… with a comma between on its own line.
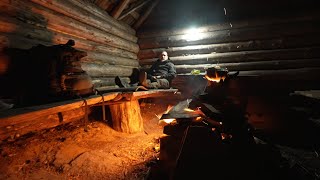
x=160, y=74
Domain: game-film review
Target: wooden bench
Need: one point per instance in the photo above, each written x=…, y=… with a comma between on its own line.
x=124, y=106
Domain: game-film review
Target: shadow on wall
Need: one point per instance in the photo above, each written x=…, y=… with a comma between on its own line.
x=23, y=78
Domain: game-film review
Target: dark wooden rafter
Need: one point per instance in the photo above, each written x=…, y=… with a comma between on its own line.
x=145, y=15
x=133, y=8
x=119, y=8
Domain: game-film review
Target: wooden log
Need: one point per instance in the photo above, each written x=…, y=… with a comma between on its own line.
x=101, y=58
x=103, y=15
x=265, y=44
x=126, y=117
x=244, y=56
x=18, y=41
x=142, y=18
x=119, y=8
x=232, y=35
x=70, y=10
x=56, y=23
x=103, y=4
x=249, y=66
x=231, y=25
x=98, y=70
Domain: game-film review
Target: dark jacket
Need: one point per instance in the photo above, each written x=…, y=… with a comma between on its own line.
x=165, y=69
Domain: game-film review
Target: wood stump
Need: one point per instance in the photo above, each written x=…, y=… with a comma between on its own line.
x=126, y=117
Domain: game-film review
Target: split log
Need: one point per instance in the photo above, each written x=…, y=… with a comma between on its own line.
x=266, y=44
x=231, y=25
x=244, y=56
x=68, y=9
x=126, y=117
x=99, y=70
x=100, y=58
x=66, y=25
x=232, y=35
x=249, y=66
x=41, y=123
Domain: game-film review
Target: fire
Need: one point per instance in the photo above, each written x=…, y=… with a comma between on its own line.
x=214, y=79
x=168, y=109
x=168, y=121
x=188, y=110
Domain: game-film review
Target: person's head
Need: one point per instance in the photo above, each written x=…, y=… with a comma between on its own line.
x=164, y=56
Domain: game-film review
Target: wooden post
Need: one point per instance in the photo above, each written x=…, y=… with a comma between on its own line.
x=126, y=117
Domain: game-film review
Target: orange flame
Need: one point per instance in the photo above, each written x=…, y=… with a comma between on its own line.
x=214, y=79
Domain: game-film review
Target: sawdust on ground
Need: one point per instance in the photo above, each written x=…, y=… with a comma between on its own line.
x=68, y=152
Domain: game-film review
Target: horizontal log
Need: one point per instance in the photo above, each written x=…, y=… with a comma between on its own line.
x=91, y=8
x=18, y=41
x=266, y=44
x=56, y=23
x=230, y=25
x=249, y=66
x=101, y=58
x=67, y=8
x=244, y=56
x=98, y=70
x=232, y=35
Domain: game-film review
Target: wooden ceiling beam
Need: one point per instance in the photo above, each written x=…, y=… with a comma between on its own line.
x=119, y=8
x=135, y=7
x=145, y=15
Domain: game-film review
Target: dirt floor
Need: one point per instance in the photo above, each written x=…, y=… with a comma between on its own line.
x=68, y=152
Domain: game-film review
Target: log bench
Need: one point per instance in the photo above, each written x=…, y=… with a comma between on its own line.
x=124, y=107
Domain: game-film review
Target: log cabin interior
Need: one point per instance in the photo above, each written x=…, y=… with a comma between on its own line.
x=272, y=45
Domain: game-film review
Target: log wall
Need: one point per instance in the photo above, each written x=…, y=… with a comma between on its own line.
x=270, y=47
x=111, y=44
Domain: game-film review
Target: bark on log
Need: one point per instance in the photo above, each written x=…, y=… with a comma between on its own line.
x=233, y=35
x=267, y=44
x=126, y=117
x=244, y=56
x=99, y=70
x=100, y=58
x=235, y=25
x=91, y=18
x=247, y=66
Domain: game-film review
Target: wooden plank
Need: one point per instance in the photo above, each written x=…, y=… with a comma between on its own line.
x=142, y=18
x=14, y=116
x=135, y=7
x=118, y=10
